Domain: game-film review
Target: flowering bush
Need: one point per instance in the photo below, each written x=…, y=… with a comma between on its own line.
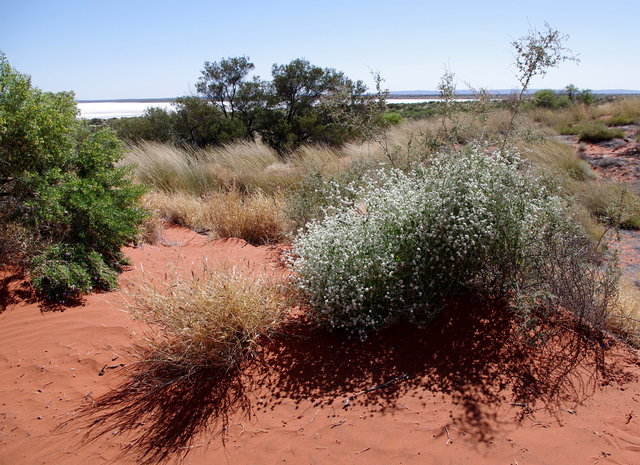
x=408, y=241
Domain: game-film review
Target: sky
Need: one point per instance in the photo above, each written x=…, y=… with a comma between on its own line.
x=155, y=49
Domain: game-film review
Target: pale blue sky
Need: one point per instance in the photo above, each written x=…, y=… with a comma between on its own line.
x=142, y=49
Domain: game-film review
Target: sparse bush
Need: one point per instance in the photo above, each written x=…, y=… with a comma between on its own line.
x=215, y=320
x=472, y=219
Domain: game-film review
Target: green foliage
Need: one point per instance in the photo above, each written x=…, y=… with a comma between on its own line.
x=222, y=83
x=301, y=103
x=199, y=123
x=392, y=117
x=64, y=271
x=65, y=186
x=585, y=96
x=157, y=124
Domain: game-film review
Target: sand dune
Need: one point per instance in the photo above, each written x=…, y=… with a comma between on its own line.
x=464, y=390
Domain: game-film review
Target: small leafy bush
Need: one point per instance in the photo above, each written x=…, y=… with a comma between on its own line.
x=547, y=98
x=471, y=220
x=65, y=270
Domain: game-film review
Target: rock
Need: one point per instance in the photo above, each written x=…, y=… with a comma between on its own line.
x=608, y=162
x=633, y=150
x=612, y=144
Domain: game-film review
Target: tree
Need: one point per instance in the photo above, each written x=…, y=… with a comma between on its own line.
x=571, y=91
x=296, y=113
x=68, y=192
x=200, y=123
x=536, y=53
x=221, y=81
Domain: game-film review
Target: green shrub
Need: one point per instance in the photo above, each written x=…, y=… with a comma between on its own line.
x=408, y=242
x=392, y=117
x=620, y=120
x=66, y=270
x=598, y=132
x=69, y=193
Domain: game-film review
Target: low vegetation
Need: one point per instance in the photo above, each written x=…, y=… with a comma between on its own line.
x=597, y=132
x=212, y=321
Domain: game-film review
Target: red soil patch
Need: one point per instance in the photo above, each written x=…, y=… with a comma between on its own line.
x=467, y=389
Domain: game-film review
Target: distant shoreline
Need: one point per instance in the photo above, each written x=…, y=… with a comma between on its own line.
x=393, y=95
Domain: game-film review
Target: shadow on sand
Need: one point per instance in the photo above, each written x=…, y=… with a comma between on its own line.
x=472, y=352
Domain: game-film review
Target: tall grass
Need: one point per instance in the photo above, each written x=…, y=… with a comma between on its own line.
x=558, y=158
x=257, y=218
x=245, y=166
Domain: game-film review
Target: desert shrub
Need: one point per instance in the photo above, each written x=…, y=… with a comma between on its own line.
x=212, y=321
x=620, y=120
x=392, y=117
x=64, y=186
x=157, y=124
x=547, y=98
x=310, y=198
x=597, y=132
x=472, y=219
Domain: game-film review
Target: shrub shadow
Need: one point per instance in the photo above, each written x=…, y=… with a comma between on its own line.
x=472, y=352
x=15, y=288
x=163, y=409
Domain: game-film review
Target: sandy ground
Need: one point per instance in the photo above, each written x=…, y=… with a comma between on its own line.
x=467, y=389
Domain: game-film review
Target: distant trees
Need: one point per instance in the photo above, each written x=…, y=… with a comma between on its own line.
x=222, y=81
x=294, y=107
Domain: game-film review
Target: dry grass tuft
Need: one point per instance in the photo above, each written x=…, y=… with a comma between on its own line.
x=257, y=218
x=558, y=158
x=177, y=208
x=211, y=321
x=150, y=230
x=611, y=203
x=624, y=318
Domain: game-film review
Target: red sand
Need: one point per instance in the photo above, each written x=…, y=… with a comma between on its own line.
x=472, y=393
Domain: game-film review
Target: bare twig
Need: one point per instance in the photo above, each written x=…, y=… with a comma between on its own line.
x=375, y=388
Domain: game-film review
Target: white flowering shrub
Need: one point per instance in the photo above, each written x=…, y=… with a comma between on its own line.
x=471, y=218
